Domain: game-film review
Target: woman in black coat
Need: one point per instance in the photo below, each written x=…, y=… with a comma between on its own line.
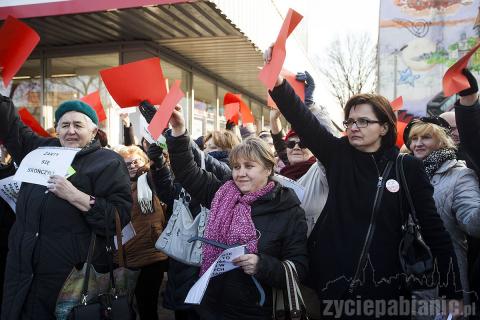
x=279, y=226
x=354, y=166
x=53, y=228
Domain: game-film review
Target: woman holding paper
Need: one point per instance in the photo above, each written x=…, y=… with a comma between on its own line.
x=355, y=244
x=52, y=231
x=250, y=209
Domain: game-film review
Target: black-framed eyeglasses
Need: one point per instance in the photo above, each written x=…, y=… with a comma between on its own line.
x=292, y=143
x=361, y=123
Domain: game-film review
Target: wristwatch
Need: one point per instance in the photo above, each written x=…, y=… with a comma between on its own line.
x=92, y=201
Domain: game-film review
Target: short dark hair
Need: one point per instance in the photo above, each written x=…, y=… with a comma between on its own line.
x=383, y=111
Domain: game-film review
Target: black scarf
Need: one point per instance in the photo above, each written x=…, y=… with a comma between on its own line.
x=435, y=160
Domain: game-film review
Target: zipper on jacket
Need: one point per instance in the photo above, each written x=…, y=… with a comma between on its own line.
x=378, y=195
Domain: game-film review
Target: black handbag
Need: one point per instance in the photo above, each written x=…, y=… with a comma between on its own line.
x=414, y=254
x=111, y=305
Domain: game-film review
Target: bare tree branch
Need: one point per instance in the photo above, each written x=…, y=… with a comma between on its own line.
x=349, y=66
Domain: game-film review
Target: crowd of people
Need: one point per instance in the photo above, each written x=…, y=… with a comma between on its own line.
x=365, y=205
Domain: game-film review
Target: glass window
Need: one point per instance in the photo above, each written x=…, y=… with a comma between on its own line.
x=204, y=107
x=75, y=77
x=25, y=88
x=221, y=111
x=266, y=118
x=257, y=113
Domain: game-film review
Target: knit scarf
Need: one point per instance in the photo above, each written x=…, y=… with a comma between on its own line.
x=435, y=160
x=297, y=170
x=230, y=221
x=144, y=195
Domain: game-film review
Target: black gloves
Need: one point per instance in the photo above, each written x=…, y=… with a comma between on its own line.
x=147, y=110
x=309, y=85
x=155, y=153
x=473, y=84
x=230, y=125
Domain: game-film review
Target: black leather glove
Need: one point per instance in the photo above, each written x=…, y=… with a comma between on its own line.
x=154, y=152
x=230, y=125
x=473, y=84
x=309, y=85
x=147, y=110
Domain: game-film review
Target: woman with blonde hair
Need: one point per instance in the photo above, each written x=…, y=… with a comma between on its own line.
x=249, y=209
x=148, y=220
x=219, y=143
x=456, y=189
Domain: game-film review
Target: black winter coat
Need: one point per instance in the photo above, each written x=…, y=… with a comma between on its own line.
x=182, y=277
x=338, y=236
x=51, y=236
x=281, y=223
x=7, y=218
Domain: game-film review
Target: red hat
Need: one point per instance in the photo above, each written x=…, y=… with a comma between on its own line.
x=290, y=134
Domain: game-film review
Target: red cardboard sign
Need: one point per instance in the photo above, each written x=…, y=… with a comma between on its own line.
x=29, y=120
x=160, y=120
x=454, y=81
x=93, y=100
x=17, y=41
x=131, y=83
x=269, y=73
x=231, y=110
x=397, y=104
x=246, y=113
x=298, y=87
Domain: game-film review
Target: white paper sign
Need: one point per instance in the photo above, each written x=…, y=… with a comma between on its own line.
x=221, y=265
x=9, y=190
x=41, y=163
x=128, y=232
x=292, y=184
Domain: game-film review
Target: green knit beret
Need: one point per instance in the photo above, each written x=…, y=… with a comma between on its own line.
x=76, y=105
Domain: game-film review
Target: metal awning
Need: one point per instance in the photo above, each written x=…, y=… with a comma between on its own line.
x=195, y=32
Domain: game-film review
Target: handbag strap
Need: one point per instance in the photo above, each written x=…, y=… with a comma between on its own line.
x=122, y=260
x=403, y=181
x=295, y=299
x=86, y=278
x=371, y=228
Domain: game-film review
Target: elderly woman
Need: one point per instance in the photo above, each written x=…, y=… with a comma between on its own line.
x=52, y=231
x=456, y=190
x=349, y=243
x=250, y=209
x=148, y=220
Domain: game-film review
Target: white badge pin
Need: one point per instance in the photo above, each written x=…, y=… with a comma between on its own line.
x=392, y=185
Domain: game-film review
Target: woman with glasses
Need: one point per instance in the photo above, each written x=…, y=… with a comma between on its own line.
x=354, y=254
x=148, y=220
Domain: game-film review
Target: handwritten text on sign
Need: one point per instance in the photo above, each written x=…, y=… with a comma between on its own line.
x=41, y=163
x=221, y=265
x=9, y=191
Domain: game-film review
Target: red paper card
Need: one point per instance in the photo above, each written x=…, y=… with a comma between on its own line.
x=131, y=83
x=160, y=120
x=454, y=81
x=17, y=42
x=397, y=104
x=298, y=87
x=400, y=129
x=246, y=113
x=93, y=100
x=231, y=110
x=29, y=120
x=269, y=73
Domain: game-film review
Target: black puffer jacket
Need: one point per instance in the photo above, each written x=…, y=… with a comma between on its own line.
x=339, y=234
x=51, y=236
x=281, y=223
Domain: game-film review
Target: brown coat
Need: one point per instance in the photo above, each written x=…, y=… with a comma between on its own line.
x=140, y=250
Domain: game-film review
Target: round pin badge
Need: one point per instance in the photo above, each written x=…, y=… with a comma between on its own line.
x=392, y=185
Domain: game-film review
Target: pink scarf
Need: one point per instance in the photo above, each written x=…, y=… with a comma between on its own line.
x=230, y=221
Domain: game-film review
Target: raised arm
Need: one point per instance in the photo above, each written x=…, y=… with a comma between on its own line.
x=18, y=138
x=466, y=202
x=277, y=135
x=313, y=134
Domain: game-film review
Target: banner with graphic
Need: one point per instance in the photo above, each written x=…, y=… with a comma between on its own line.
x=418, y=42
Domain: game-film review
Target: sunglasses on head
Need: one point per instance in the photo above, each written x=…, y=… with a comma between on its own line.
x=291, y=144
